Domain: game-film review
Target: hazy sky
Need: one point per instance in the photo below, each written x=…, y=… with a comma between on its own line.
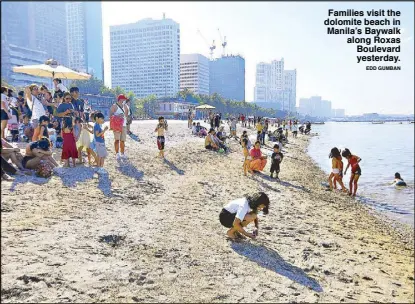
x=262, y=31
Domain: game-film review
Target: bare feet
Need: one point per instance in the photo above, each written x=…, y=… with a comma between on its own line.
x=231, y=235
x=6, y=177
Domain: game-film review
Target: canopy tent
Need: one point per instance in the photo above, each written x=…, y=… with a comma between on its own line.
x=51, y=69
x=204, y=107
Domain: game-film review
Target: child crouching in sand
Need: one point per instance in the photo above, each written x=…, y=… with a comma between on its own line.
x=238, y=213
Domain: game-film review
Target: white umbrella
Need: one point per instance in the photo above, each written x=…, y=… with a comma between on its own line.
x=51, y=69
x=204, y=107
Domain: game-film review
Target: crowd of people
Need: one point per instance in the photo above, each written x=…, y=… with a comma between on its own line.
x=254, y=159
x=46, y=119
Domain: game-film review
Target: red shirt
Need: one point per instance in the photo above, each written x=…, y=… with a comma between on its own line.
x=255, y=153
x=353, y=163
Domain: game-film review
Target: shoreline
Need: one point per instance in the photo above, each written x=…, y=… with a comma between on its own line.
x=405, y=231
x=149, y=232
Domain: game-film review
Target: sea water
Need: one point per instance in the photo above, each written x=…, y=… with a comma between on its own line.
x=384, y=149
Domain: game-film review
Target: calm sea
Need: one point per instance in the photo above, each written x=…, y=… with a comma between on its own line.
x=384, y=149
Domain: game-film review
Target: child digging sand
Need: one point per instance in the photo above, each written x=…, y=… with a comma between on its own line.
x=239, y=213
x=161, y=127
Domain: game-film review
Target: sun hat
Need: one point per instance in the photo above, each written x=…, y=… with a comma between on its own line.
x=121, y=97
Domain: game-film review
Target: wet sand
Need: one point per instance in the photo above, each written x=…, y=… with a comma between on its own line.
x=149, y=232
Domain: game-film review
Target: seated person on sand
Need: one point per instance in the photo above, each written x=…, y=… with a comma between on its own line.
x=239, y=213
x=258, y=161
x=194, y=130
x=221, y=133
x=12, y=152
x=36, y=152
x=398, y=180
x=212, y=142
x=203, y=132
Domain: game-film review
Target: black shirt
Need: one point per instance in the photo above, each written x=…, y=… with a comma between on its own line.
x=277, y=157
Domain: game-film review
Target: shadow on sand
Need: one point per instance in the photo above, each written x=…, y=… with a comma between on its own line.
x=259, y=177
x=287, y=184
x=104, y=184
x=72, y=176
x=134, y=137
x=128, y=169
x=270, y=259
x=173, y=167
x=22, y=179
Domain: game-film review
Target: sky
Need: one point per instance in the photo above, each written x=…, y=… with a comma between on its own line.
x=263, y=31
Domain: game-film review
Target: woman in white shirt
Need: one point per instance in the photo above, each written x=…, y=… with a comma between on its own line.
x=31, y=93
x=240, y=212
x=5, y=114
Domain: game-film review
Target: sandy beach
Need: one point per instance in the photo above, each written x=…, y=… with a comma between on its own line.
x=149, y=232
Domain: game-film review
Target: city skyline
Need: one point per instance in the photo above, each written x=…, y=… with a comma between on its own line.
x=325, y=64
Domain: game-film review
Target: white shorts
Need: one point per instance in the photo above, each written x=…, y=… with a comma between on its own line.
x=335, y=171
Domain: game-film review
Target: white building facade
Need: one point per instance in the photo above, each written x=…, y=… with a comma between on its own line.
x=194, y=73
x=275, y=84
x=315, y=106
x=145, y=57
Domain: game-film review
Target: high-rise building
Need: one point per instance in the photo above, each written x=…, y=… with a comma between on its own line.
x=338, y=113
x=47, y=29
x=31, y=33
x=315, y=107
x=276, y=85
x=84, y=30
x=145, y=57
x=227, y=77
x=13, y=55
x=194, y=73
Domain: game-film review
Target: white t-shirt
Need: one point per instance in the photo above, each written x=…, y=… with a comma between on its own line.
x=61, y=87
x=239, y=206
x=295, y=128
x=120, y=112
x=6, y=100
x=38, y=109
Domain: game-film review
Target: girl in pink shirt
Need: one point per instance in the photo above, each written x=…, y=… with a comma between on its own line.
x=258, y=161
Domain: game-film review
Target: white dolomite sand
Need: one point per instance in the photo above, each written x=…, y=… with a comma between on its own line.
x=148, y=231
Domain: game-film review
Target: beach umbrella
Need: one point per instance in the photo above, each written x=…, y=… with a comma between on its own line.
x=51, y=69
x=204, y=107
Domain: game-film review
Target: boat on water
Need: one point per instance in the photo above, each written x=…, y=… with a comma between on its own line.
x=412, y=122
x=318, y=123
x=378, y=122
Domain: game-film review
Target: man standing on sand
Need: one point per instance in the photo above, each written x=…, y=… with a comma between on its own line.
x=78, y=103
x=189, y=119
x=121, y=110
